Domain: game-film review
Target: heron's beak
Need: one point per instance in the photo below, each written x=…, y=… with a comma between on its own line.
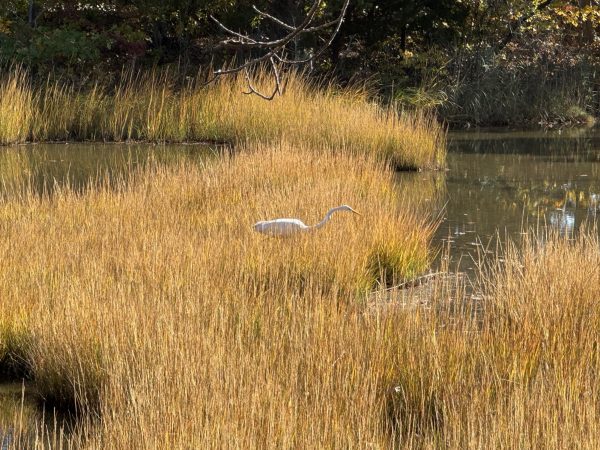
x=356, y=212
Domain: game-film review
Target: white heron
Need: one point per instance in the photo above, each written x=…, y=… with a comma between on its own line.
x=287, y=227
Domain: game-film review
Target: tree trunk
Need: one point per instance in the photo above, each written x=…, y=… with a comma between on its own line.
x=587, y=26
x=30, y=18
x=403, y=38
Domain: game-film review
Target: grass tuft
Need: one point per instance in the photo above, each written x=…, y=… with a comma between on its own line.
x=150, y=107
x=16, y=108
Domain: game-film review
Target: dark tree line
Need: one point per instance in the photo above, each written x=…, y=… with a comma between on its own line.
x=400, y=45
x=55, y=33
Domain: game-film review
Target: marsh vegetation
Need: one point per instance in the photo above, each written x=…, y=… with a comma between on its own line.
x=149, y=107
x=150, y=309
x=139, y=309
x=155, y=312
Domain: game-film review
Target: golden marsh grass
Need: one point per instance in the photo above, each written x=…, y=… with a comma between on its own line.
x=150, y=108
x=16, y=108
x=77, y=267
x=171, y=324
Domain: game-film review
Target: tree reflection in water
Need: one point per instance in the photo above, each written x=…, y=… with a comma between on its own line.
x=42, y=168
x=502, y=183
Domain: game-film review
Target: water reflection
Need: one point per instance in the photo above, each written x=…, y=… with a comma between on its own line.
x=24, y=424
x=563, y=221
x=594, y=204
x=500, y=183
x=45, y=167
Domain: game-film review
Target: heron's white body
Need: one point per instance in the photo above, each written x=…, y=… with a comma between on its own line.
x=287, y=227
x=280, y=227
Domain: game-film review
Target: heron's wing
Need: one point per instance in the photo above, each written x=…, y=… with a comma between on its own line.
x=282, y=227
x=290, y=222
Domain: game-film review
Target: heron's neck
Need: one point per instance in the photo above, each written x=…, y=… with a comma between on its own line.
x=327, y=217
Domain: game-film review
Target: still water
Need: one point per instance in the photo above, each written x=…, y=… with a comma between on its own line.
x=499, y=184
x=42, y=169
x=45, y=167
x=24, y=421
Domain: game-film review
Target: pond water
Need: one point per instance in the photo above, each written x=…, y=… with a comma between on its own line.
x=42, y=169
x=24, y=422
x=45, y=167
x=499, y=184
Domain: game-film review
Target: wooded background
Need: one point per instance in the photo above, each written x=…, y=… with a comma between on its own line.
x=426, y=53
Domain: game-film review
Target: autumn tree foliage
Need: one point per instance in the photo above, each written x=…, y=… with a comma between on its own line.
x=424, y=53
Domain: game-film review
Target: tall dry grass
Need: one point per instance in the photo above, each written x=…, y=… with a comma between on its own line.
x=170, y=324
x=16, y=108
x=162, y=286
x=150, y=107
x=519, y=369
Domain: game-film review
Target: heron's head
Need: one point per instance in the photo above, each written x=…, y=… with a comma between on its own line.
x=348, y=208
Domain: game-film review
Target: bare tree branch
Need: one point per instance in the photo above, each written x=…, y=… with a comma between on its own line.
x=276, y=48
x=277, y=90
x=324, y=47
x=247, y=42
x=241, y=37
x=290, y=27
